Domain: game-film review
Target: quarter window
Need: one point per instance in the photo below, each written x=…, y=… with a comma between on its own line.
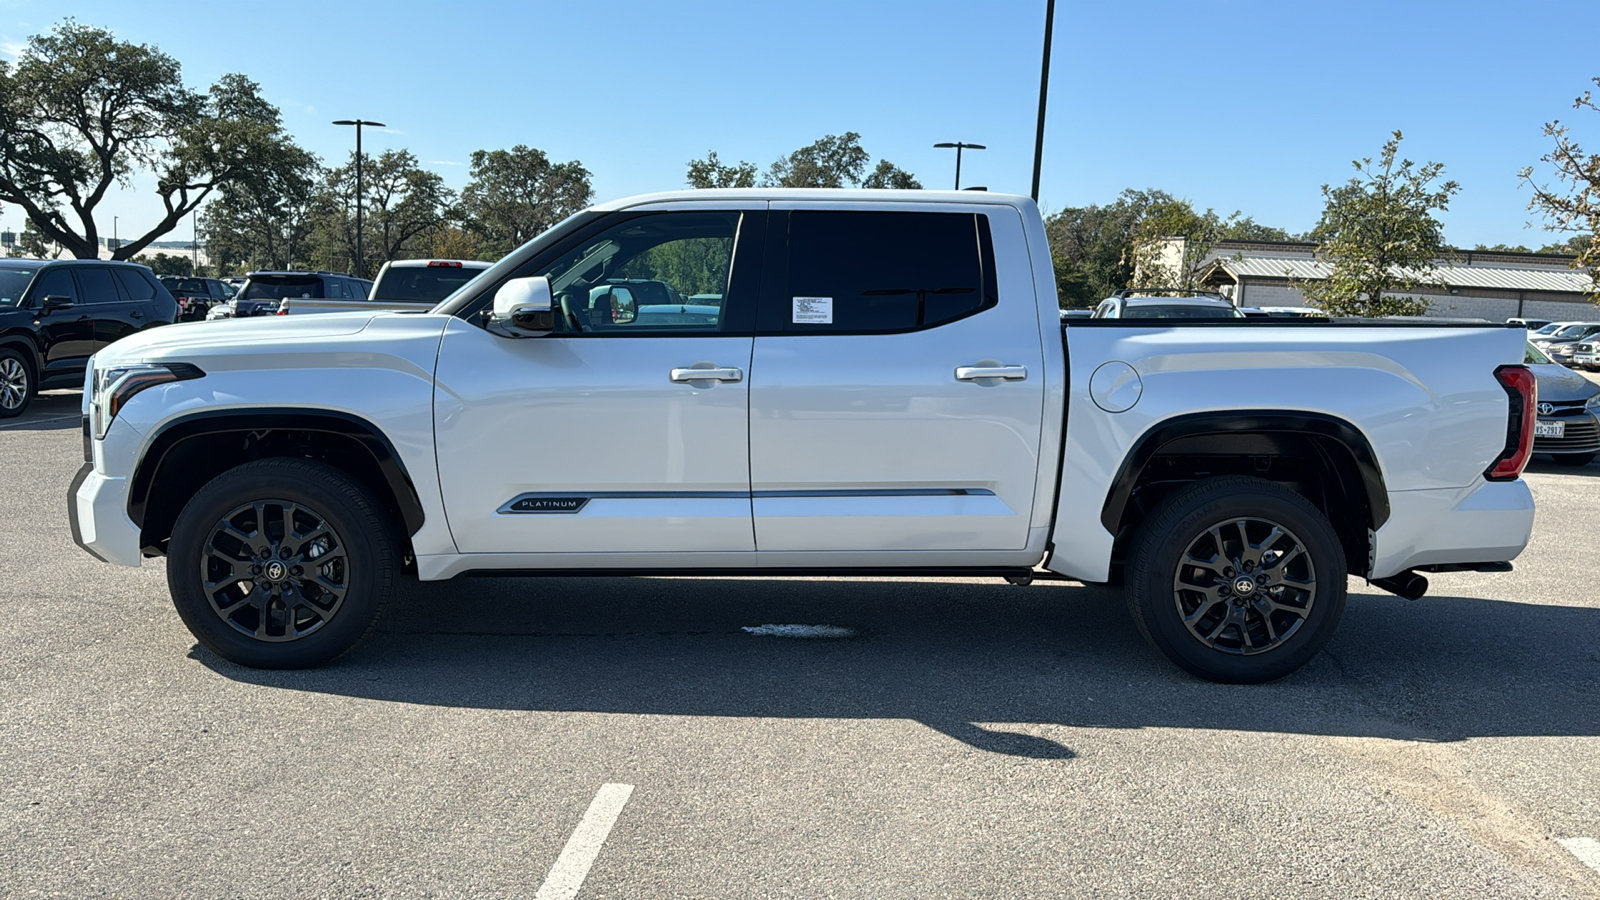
x=866, y=272
x=136, y=286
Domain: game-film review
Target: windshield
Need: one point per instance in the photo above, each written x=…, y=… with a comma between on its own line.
x=1533, y=356
x=1574, y=331
x=277, y=287
x=421, y=284
x=14, y=280
x=184, y=285
x=1549, y=329
x=1179, y=311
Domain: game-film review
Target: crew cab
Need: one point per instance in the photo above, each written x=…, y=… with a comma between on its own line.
x=410, y=284
x=859, y=381
x=264, y=292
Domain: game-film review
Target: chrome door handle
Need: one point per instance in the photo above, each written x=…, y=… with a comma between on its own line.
x=1004, y=373
x=716, y=373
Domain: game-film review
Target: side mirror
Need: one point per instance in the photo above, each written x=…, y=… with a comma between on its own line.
x=55, y=302
x=522, y=307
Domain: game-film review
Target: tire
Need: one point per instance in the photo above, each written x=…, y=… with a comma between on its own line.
x=1236, y=633
x=17, y=384
x=1574, y=459
x=275, y=612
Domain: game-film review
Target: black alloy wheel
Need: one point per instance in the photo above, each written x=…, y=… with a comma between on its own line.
x=16, y=384
x=281, y=563
x=1237, y=580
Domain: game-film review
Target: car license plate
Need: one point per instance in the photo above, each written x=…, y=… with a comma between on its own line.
x=1549, y=429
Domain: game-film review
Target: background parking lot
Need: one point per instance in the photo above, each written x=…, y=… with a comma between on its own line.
x=971, y=738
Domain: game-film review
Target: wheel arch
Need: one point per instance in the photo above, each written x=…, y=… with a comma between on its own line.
x=190, y=450
x=1280, y=445
x=24, y=343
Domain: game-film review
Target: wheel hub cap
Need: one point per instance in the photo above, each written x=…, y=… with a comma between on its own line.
x=1244, y=587
x=276, y=571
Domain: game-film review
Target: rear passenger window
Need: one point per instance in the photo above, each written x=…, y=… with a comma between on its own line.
x=886, y=271
x=96, y=286
x=135, y=285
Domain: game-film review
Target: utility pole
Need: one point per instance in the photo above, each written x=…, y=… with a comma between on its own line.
x=1044, y=89
x=194, y=240
x=361, y=259
x=959, y=147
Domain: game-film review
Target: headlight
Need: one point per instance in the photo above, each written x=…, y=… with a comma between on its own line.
x=114, y=386
x=1592, y=402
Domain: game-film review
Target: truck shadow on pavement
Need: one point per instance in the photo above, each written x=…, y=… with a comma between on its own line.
x=989, y=665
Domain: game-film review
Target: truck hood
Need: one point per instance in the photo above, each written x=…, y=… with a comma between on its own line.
x=254, y=337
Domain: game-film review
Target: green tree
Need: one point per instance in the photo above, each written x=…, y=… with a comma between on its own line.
x=266, y=220
x=1573, y=203
x=169, y=264
x=31, y=244
x=1173, y=241
x=402, y=205
x=1092, y=247
x=889, y=175
x=1379, y=237
x=713, y=173
x=835, y=161
x=81, y=112
x=517, y=194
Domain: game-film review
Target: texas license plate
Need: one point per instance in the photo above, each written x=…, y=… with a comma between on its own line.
x=1549, y=429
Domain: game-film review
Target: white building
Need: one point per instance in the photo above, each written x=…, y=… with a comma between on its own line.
x=1479, y=284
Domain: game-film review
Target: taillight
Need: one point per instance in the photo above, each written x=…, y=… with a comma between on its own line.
x=283, y=307
x=1523, y=393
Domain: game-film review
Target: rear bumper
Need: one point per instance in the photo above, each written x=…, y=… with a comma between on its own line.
x=97, y=510
x=1488, y=521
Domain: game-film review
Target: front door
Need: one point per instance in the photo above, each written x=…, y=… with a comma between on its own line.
x=897, y=390
x=626, y=429
x=66, y=333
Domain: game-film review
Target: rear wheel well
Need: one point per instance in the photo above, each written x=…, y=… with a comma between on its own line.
x=1319, y=467
x=178, y=465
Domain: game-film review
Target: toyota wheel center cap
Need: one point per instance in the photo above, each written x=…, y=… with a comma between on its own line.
x=276, y=570
x=1244, y=586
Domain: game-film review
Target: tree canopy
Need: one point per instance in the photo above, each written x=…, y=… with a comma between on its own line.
x=1572, y=204
x=1378, y=235
x=81, y=112
x=517, y=194
x=833, y=161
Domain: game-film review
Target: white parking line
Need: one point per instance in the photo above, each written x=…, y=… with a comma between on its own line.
x=572, y=866
x=41, y=421
x=1586, y=849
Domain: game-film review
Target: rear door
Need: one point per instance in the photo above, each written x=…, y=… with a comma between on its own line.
x=115, y=316
x=897, y=388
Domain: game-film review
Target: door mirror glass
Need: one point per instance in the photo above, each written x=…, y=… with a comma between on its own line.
x=522, y=307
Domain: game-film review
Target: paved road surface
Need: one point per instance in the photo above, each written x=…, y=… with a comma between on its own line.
x=973, y=739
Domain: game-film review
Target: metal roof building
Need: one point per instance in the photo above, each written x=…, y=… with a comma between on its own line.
x=1491, y=285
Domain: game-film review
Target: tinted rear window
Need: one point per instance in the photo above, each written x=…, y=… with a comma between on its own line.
x=886, y=271
x=1178, y=311
x=421, y=284
x=277, y=287
x=97, y=285
x=137, y=285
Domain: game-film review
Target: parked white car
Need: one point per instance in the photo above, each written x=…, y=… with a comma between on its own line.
x=864, y=381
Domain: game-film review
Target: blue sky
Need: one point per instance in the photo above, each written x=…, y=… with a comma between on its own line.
x=1233, y=104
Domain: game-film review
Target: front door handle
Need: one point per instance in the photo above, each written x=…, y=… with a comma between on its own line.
x=1004, y=373
x=136, y=314
x=707, y=373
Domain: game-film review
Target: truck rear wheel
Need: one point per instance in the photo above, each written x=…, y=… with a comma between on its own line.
x=281, y=563
x=1237, y=580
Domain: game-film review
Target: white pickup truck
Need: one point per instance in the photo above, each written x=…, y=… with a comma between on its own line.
x=402, y=284
x=803, y=382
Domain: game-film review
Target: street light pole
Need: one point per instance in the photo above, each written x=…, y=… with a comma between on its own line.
x=1044, y=88
x=959, y=147
x=361, y=259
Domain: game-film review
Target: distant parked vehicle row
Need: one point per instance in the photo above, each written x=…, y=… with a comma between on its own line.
x=196, y=296
x=1567, y=427
x=264, y=292
x=55, y=315
x=401, y=284
x=1560, y=342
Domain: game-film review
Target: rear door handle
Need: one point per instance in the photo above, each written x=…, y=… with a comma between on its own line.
x=1004, y=373
x=710, y=373
x=136, y=314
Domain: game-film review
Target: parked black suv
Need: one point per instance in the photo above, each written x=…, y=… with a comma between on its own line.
x=263, y=291
x=55, y=315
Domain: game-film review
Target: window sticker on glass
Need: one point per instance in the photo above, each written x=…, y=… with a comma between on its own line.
x=813, y=310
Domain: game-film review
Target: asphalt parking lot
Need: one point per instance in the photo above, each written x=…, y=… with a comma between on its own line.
x=971, y=739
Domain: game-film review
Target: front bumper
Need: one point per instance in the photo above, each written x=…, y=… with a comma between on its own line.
x=97, y=510
x=1581, y=434
x=1490, y=521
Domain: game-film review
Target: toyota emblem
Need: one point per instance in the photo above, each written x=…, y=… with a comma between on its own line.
x=1546, y=409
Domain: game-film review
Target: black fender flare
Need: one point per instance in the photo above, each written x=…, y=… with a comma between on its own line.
x=243, y=420
x=1248, y=422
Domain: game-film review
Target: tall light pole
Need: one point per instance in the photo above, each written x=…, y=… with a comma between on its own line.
x=361, y=259
x=959, y=147
x=1044, y=88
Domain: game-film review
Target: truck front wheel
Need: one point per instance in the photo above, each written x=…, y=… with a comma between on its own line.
x=1237, y=580
x=281, y=563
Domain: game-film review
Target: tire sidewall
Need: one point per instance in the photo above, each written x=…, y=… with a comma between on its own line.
x=327, y=492
x=32, y=387
x=1161, y=547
